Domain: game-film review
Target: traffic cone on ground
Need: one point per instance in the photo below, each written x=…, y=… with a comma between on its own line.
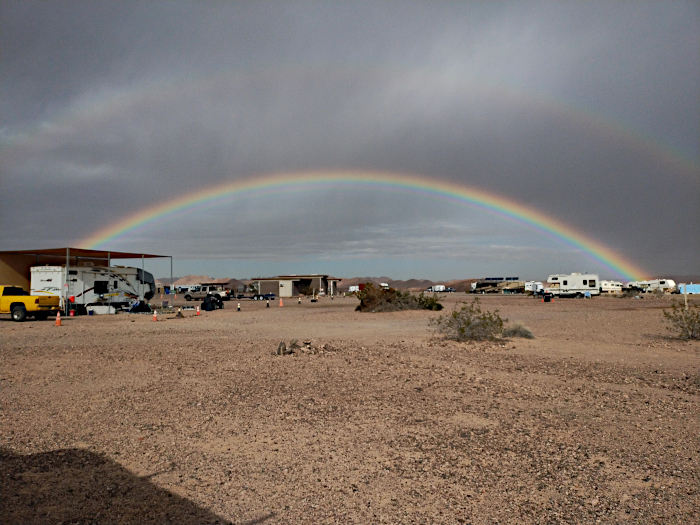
x=198, y=311
x=155, y=315
x=281, y=302
x=239, y=307
x=161, y=296
x=58, y=318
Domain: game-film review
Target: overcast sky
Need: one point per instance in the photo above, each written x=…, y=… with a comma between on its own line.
x=586, y=111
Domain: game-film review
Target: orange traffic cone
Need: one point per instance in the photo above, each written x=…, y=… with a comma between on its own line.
x=281, y=302
x=58, y=318
x=155, y=315
x=198, y=311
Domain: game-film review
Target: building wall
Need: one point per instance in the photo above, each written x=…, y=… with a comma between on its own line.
x=286, y=288
x=15, y=270
x=269, y=287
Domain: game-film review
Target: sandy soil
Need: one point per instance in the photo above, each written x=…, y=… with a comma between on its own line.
x=117, y=419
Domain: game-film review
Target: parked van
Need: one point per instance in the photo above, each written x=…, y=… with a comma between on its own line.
x=573, y=284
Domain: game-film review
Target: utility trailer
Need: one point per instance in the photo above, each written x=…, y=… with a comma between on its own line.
x=116, y=286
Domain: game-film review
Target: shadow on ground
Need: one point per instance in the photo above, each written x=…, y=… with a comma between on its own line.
x=80, y=487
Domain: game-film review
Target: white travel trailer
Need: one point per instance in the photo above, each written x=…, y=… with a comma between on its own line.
x=611, y=286
x=115, y=286
x=534, y=286
x=437, y=288
x=573, y=285
x=654, y=285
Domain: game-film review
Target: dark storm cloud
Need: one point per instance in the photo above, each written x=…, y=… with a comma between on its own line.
x=575, y=108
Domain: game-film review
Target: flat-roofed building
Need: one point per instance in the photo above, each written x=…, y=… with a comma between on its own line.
x=295, y=285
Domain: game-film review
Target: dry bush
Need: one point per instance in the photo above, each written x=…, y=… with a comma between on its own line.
x=518, y=330
x=374, y=299
x=469, y=323
x=684, y=321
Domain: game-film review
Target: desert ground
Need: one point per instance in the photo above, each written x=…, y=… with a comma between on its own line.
x=119, y=419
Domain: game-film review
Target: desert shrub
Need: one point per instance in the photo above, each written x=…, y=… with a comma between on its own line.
x=518, y=330
x=469, y=323
x=684, y=321
x=375, y=299
x=429, y=302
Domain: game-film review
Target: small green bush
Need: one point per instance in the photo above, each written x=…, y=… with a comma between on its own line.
x=469, y=323
x=684, y=321
x=518, y=330
x=375, y=299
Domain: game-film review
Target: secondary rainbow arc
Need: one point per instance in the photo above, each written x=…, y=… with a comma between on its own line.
x=280, y=182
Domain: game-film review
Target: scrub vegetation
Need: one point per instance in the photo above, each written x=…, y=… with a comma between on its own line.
x=684, y=321
x=469, y=323
x=375, y=299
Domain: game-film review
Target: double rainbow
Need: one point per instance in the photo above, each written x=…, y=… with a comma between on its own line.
x=278, y=183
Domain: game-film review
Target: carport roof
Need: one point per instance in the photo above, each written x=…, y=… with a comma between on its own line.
x=83, y=253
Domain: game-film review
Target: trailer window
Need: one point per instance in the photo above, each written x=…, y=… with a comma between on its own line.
x=101, y=287
x=585, y=282
x=591, y=283
x=565, y=282
x=115, y=284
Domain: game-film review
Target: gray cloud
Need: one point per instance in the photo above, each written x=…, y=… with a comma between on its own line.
x=588, y=112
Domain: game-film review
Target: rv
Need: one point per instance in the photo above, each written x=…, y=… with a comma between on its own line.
x=611, y=286
x=437, y=288
x=534, y=287
x=573, y=285
x=115, y=286
x=654, y=285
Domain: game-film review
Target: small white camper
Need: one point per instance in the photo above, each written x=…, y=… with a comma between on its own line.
x=573, y=284
x=611, y=286
x=534, y=286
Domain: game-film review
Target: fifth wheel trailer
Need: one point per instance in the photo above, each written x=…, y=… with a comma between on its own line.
x=116, y=286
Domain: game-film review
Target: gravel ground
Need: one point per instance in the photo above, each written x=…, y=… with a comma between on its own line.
x=117, y=419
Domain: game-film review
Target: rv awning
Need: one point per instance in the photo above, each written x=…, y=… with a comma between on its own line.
x=83, y=253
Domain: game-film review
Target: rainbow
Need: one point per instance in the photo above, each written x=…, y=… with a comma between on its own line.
x=281, y=182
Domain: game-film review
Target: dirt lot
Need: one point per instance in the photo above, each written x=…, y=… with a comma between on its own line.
x=117, y=419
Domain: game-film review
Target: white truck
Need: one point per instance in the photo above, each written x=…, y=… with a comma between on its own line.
x=116, y=286
x=573, y=284
x=201, y=291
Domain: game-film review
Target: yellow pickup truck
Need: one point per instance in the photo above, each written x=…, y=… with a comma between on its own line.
x=15, y=301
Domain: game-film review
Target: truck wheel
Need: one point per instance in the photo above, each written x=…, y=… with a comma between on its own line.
x=41, y=316
x=19, y=313
x=188, y=298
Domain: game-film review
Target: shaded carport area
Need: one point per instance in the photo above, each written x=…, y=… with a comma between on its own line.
x=15, y=265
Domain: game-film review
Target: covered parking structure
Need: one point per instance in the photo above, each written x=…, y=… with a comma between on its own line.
x=15, y=265
x=295, y=285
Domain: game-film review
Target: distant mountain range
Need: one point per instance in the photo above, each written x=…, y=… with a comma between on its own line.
x=413, y=285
